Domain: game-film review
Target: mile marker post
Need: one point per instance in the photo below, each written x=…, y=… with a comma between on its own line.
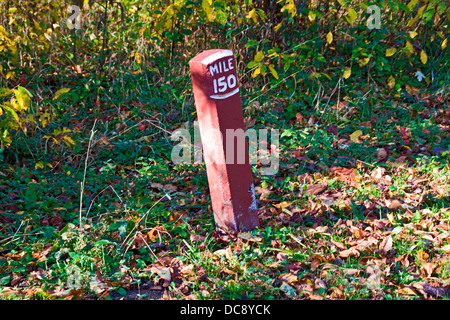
x=219, y=109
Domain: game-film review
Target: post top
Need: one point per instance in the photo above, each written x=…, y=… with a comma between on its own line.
x=208, y=56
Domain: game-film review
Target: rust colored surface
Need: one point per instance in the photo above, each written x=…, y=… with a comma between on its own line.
x=218, y=103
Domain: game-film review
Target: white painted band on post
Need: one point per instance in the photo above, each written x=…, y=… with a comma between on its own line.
x=216, y=56
x=226, y=95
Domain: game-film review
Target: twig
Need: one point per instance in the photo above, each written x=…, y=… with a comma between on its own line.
x=98, y=194
x=140, y=235
x=365, y=163
x=85, y=168
x=144, y=216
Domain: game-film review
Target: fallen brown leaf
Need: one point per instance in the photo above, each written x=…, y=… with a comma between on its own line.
x=393, y=204
x=351, y=272
x=386, y=244
x=427, y=269
x=406, y=291
x=381, y=154
x=336, y=293
x=314, y=189
x=289, y=278
x=378, y=173
x=197, y=238
x=445, y=248
x=349, y=252
x=339, y=245
x=344, y=174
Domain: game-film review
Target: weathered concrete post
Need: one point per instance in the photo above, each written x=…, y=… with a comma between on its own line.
x=220, y=120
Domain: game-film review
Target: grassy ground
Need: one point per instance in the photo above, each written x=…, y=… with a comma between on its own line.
x=359, y=209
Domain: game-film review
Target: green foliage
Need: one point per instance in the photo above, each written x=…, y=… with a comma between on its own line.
x=317, y=70
x=12, y=113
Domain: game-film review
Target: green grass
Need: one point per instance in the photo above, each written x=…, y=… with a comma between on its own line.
x=141, y=212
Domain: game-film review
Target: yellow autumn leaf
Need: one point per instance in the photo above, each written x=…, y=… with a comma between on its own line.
x=39, y=165
x=391, y=82
x=423, y=57
x=444, y=43
x=290, y=7
x=22, y=101
x=60, y=92
x=413, y=34
x=363, y=62
x=329, y=37
x=351, y=16
x=347, y=72
x=44, y=119
x=274, y=72
x=69, y=140
x=278, y=26
x=252, y=15
x=259, y=56
x=10, y=75
x=4, y=35
x=409, y=48
x=355, y=136
x=390, y=52
x=256, y=72
x=210, y=14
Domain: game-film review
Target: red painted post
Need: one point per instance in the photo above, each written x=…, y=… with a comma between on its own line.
x=219, y=109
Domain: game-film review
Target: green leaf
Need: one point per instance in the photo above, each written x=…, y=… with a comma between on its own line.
x=6, y=138
x=120, y=226
x=251, y=43
x=252, y=64
x=428, y=15
x=417, y=215
x=286, y=66
x=121, y=291
x=186, y=32
x=49, y=232
x=396, y=230
x=10, y=112
x=5, y=280
x=286, y=133
x=103, y=242
x=221, y=17
x=4, y=92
